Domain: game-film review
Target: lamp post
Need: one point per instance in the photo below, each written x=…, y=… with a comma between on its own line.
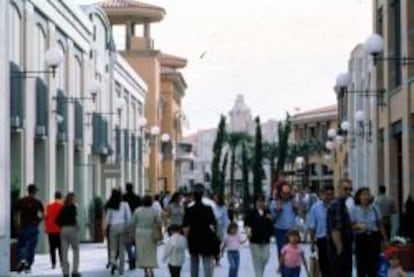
x=300, y=170
x=53, y=58
x=374, y=45
x=334, y=144
x=343, y=80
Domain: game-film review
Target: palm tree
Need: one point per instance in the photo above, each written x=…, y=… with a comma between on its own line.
x=270, y=153
x=305, y=148
x=234, y=141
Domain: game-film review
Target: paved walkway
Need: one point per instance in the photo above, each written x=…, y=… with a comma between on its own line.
x=93, y=260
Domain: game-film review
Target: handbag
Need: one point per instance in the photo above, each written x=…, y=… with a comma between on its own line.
x=157, y=231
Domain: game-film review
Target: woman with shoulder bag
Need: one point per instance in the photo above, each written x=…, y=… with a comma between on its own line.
x=69, y=234
x=119, y=217
x=147, y=228
x=369, y=231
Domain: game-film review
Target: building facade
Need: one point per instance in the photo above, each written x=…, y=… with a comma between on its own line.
x=358, y=105
x=5, y=145
x=319, y=163
x=394, y=21
x=166, y=87
x=74, y=104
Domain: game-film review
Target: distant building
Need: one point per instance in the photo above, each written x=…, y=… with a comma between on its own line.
x=240, y=120
x=318, y=167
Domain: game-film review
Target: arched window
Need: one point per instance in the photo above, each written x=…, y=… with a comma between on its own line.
x=15, y=42
x=62, y=69
x=77, y=78
x=39, y=49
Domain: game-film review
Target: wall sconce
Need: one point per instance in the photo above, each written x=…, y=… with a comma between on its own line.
x=343, y=80
x=94, y=90
x=165, y=138
x=365, y=129
x=374, y=45
x=362, y=129
x=53, y=58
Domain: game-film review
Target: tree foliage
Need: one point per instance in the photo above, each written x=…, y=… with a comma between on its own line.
x=270, y=153
x=245, y=176
x=284, y=130
x=223, y=174
x=258, y=158
x=217, y=152
x=234, y=141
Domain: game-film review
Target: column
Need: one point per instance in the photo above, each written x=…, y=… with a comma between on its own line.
x=4, y=145
x=30, y=108
x=69, y=174
x=51, y=141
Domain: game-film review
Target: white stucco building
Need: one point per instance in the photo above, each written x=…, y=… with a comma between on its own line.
x=74, y=127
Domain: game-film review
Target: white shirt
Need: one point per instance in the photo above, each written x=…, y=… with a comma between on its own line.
x=120, y=216
x=156, y=206
x=174, y=250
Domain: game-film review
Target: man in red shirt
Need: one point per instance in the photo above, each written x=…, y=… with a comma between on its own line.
x=52, y=229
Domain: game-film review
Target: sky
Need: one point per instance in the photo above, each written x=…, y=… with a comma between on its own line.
x=283, y=55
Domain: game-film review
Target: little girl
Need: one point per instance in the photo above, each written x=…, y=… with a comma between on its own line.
x=395, y=269
x=232, y=243
x=174, y=250
x=292, y=255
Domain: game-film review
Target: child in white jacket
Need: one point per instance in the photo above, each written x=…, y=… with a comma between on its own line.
x=174, y=251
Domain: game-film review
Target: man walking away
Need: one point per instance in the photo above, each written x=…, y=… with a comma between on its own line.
x=317, y=227
x=29, y=214
x=199, y=226
x=52, y=229
x=387, y=208
x=339, y=232
x=134, y=201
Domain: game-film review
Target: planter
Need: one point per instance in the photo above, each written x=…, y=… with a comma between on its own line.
x=99, y=235
x=13, y=255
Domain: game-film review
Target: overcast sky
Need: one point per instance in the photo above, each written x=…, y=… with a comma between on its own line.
x=280, y=54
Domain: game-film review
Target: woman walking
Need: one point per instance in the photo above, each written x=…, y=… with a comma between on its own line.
x=147, y=228
x=174, y=211
x=69, y=235
x=118, y=216
x=284, y=210
x=369, y=231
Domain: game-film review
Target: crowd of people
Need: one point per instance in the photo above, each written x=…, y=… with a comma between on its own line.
x=337, y=225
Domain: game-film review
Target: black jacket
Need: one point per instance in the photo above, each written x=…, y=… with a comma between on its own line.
x=261, y=226
x=201, y=238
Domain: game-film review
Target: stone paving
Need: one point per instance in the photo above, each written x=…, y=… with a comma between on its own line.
x=93, y=260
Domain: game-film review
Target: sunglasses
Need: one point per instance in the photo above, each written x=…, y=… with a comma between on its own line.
x=347, y=189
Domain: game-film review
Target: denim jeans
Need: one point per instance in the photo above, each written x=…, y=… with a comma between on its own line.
x=26, y=244
x=131, y=252
x=290, y=271
x=234, y=262
x=207, y=265
x=280, y=235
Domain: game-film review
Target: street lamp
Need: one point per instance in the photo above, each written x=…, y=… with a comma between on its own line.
x=343, y=80
x=301, y=171
x=53, y=58
x=374, y=45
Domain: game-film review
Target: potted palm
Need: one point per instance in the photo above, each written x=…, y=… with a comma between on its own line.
x=96, y=212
